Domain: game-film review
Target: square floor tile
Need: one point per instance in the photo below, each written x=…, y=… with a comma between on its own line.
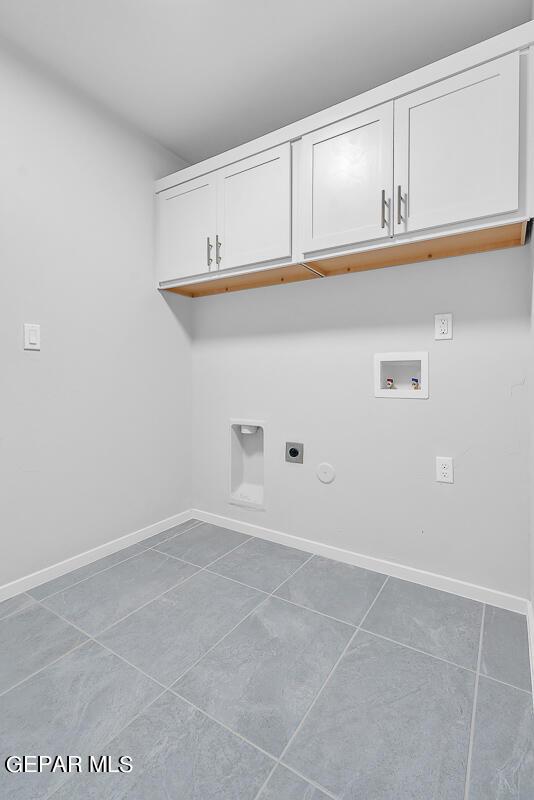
x=203, y=544
x=77, y=575
x=103, y=599
x=15, y=604
x=391, y=723
x=170, y=532
x=30, y=640
x=285, y=785
x=442, y=624
x=505, y=647
x=167, y=636
x=261, y=564
x=177, y=754
x=340, y=590
x=502, y=762
x=74, y=706
x=262, y=677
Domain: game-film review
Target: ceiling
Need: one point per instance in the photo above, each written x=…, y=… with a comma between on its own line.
x=201, y=76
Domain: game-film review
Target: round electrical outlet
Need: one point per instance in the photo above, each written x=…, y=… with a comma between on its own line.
x=325, y=472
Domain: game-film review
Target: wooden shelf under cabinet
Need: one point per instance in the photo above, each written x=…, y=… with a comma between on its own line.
x=251, y=280
x=458, y=244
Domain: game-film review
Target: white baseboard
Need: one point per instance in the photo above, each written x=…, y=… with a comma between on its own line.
x=75, y=562
x=530, y=626
x=483, y=594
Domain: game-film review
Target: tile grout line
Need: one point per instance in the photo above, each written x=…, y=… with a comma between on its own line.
x=222, y=724
x=93, y=638
x=108, y=741
x=315, y=611
x=271, y=594
x=169, y=688
x=250, y=743
x=229, y=551
x=503, y=683
x=207, y=568
x=19, y=610
x=50, y=663
x=161, y=594
x=192, y=563
x=121, y=658
x=417, y=650
x=474, y=709
x=90, y=637
x=372, y=604
x=175, y=693
x=100, y=632
x=313, y=783
x=262, y=591
x=42, y=602
x=179, y=678
x=319, y=693
x=208, y=651
x=286, y=580
x=234, y=580
x=100, y=571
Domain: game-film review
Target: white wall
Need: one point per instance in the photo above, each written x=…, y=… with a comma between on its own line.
x=531, y=439
x=531, y=420
x=301, y=358
x=94, y=429
x=95, y=438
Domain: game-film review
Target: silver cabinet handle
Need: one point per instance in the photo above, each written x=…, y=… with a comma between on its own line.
x=399, y=202
x=218, y=245
x=209, y=248
x=384, y=204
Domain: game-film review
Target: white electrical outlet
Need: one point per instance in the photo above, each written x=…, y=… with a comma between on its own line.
x=443, y=326
x=444, y=469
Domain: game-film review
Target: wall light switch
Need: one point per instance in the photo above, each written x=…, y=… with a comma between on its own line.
x=32, y=336
x=444, y=469
x=443, y=326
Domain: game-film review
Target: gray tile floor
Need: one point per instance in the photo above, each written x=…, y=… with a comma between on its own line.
x=232, y=668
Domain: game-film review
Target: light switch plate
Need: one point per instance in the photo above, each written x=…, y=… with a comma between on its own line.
x=32, y=336
x=443, y=326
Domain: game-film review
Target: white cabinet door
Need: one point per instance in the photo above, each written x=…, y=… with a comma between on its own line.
x=186, y=229
x=254, y=209
x=457, y=148
x=347, y=181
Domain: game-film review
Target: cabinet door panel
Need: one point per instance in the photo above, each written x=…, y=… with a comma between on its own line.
x=254, y=209
x=457, y=147
x=186, y=218
x=345, y=169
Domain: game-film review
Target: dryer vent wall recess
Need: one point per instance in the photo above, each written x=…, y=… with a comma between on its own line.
x=246, y=464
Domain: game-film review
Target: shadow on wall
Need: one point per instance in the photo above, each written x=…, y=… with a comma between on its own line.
x=182, y=309
x=482, y=287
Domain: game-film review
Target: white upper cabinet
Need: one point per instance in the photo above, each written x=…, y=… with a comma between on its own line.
x=236, y=216
x=443, y=150
x=347, y=181
x=254, y=209
x=187, y=226
x=457, y=148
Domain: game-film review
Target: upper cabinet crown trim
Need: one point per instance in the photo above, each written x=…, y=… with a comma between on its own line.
x=514, y=39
